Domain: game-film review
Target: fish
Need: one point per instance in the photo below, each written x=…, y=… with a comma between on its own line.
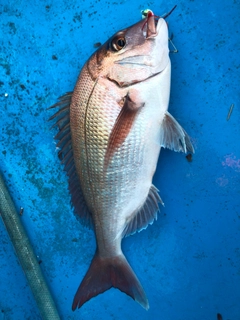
x=110, y=132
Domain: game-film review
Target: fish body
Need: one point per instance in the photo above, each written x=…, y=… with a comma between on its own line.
x=111, y=130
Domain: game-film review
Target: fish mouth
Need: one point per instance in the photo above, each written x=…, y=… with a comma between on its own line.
x=160, y=23
x=136, y=60
x=153, y=25
x=140, y=61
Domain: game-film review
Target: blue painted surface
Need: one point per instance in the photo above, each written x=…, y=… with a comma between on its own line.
x=189, y=261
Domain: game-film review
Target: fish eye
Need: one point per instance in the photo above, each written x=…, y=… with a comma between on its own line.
x=118, y=43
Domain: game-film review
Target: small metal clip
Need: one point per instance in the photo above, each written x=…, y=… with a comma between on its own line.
x=175, y=50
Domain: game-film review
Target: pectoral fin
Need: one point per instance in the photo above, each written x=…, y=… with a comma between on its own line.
x=122, y=127
x=173, y=136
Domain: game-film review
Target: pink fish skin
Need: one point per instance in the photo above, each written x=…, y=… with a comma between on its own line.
x=111, y=129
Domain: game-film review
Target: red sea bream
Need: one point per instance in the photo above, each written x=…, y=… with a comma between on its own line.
x=111, y=129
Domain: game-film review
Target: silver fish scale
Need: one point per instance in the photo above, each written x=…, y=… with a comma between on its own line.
x=118, y=124
x=107, y=192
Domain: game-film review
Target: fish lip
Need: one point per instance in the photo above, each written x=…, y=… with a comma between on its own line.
x=160, y=24
x=158, y=27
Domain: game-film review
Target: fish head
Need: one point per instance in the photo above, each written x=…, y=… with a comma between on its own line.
x=134, y=54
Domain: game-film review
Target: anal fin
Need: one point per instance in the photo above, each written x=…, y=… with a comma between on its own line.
x=173, y=136
x=146, y=214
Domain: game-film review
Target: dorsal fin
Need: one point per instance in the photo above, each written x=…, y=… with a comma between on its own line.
x=146, y=214
x=65, y=154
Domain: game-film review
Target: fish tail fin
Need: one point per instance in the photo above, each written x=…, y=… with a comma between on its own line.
x=105, y=273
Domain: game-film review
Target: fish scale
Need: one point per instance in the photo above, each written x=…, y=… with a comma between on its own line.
x=118, y=123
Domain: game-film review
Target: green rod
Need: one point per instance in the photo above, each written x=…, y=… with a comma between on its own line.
x=26, y=255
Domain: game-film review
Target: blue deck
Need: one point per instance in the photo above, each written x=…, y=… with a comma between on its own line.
x=189, y=260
